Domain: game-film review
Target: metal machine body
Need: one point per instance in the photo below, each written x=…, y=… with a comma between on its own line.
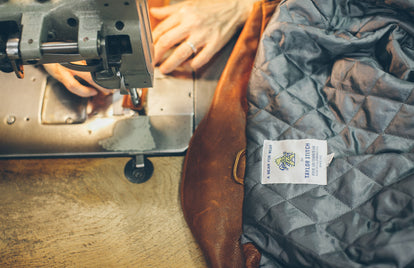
x=113, y=37
x=40, y=118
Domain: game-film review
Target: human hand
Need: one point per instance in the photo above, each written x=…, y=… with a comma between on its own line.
x=202, y=26
x=68, y=78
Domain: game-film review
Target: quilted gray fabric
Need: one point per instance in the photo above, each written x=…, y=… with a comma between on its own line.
x=342, y=71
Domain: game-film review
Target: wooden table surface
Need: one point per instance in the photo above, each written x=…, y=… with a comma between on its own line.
x=83, y=212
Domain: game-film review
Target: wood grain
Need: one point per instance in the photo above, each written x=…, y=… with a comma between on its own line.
x=84, y=213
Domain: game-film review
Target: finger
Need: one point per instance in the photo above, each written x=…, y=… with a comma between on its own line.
x=180, y=55
x=74, y=86
x=64, y=76
x=164, y=26
x=169, y=40
x=77, y=88
x=185, y=67
x=161, y=13
x=204, y=56
x=88, y=78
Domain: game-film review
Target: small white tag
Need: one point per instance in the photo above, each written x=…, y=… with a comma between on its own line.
x=295, y=161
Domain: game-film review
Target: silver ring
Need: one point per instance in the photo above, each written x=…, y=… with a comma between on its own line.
x=192, y=46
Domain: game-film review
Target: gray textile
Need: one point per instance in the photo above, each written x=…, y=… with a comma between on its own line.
x=341, y=71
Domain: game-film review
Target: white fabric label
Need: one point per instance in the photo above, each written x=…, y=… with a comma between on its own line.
x=295, y=161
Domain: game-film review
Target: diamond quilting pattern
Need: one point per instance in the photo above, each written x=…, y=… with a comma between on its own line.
x=320, y=205
x=345, y=75
x=354, y=183
x=279, y=219
x=385, y=175
x=349, y=104
x=375, y=114
x=403, y=123
x=320, y=75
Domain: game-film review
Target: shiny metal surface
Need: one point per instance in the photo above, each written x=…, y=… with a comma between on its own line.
x=165, y=127
x=61, y=106
x=13, y=53
x=59, y=47
x=36, y=120
x=113, y=37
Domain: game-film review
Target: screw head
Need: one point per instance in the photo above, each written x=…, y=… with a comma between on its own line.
x=11, y=119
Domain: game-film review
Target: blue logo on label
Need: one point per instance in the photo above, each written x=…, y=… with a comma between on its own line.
x=286, y=161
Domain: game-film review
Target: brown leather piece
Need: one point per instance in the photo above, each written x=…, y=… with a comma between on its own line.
x=251, y=255
x=211, y=199
x=127, y=102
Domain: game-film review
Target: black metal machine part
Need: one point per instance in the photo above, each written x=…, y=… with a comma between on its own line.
x=139, y=169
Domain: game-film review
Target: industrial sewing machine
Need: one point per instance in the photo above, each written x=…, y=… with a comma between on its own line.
x=40, y=118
